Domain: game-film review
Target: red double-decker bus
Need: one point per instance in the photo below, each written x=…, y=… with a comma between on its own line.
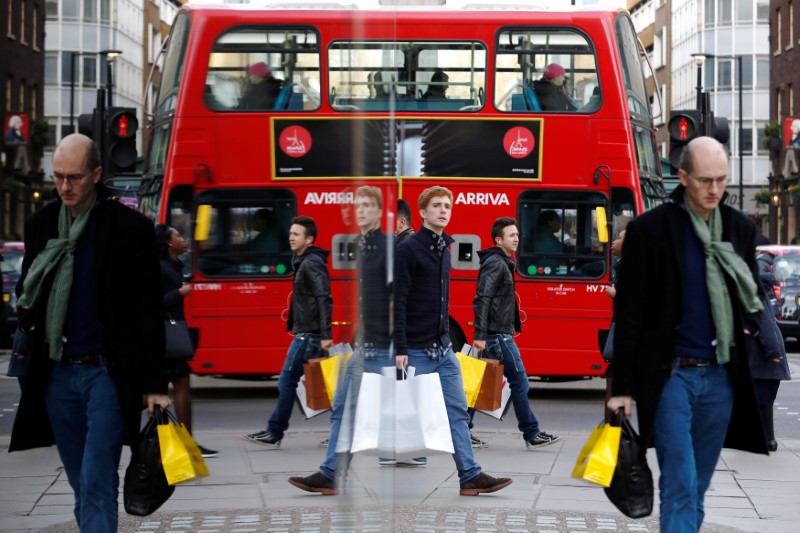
x=263, y=114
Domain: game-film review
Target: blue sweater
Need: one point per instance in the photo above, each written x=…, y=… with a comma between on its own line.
x=422, y=293
x=697, y=334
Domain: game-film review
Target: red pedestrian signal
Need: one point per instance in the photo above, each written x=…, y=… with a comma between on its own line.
x=683, y=126
x=120, y=145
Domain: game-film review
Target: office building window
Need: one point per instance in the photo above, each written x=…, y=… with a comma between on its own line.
x=762, y=73
x=35, y=28
x=724, y=74
x=747, y=141
x=725, y=12
x=51, y=68
x=744, y=11
x=762, y=11
x=51, y=9
x=89, y=10
x=90, y=71
x=22, y=9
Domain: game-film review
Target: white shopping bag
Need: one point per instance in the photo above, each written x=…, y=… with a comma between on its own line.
x=301, y=400
x=402, y=419
x=505, y=405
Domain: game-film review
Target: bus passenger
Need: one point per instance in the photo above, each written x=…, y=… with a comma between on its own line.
x=380, y=88
x=438, y=85
x=549, y=89
x=268, y=237
x=548, y=224
x=309, y=321
x=261, y=88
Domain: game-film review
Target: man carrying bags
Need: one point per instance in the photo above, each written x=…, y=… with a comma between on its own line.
x=497, y=320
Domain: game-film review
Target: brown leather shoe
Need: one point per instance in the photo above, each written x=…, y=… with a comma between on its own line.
x=484, y=483
x=316, y=482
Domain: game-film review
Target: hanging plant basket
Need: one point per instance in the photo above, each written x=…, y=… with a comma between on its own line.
x=762, y=197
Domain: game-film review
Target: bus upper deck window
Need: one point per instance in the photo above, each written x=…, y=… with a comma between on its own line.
x=407, y=75
x=544, y=70
x=258, y=69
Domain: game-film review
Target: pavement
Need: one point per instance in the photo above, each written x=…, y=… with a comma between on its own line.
x=248, y=491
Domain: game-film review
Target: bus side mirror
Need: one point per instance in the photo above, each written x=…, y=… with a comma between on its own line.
x=203, y=224
x=602, y=224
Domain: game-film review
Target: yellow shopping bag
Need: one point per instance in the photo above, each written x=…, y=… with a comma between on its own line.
x=472, y=370
x=180, y=455
x=598, y=458
x=333, y=368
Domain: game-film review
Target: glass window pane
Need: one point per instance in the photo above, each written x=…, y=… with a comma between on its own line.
x=267, y=68
x=90, y=71
x=51, y=68
x=248, y=233
x=762, y=73
x=744, y=11
x=51, y=131
x=725, y=12
x=724, y=76
x=747, y=73
x=377, y=75
x=66, y=66
x=710, y=14
x=559, y=235
x=69, y=9
x=89, y=10
x=105, y=10
x=762, y=10
x=51, y=9
x=747, y=141
x=524, y=84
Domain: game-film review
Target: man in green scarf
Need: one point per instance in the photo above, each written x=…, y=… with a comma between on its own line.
x=90, y=303
x=685, y=298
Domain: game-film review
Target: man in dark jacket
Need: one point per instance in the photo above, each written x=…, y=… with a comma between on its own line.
x=90, y=301
x=497, y=320
x=688, y=279
x=404, y=229
x=373, y=338
x=421, y=327
x=309, y=321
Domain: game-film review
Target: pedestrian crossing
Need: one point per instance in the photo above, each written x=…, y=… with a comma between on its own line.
x=395, y=520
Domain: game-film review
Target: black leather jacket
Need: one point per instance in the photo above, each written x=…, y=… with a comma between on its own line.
x=495, y=302
x=312, y=303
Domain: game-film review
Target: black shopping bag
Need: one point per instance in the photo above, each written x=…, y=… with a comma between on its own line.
x=146, y=487
x=631, y=489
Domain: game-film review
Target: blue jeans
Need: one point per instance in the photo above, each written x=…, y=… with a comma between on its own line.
x=356, y=366
x=87, y=423
x=446, y=365
x=689, y=430
x=503, y=348
x=305, y=346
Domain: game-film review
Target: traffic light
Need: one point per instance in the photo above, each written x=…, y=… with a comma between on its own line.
x=683, y=126
x=120, y=145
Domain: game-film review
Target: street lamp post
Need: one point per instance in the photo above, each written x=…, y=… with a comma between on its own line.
x=740, y=134
x=110, y=56
x=72, y=90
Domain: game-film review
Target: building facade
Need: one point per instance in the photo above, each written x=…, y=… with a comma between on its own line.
x=21, y=101
x=784, y=140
